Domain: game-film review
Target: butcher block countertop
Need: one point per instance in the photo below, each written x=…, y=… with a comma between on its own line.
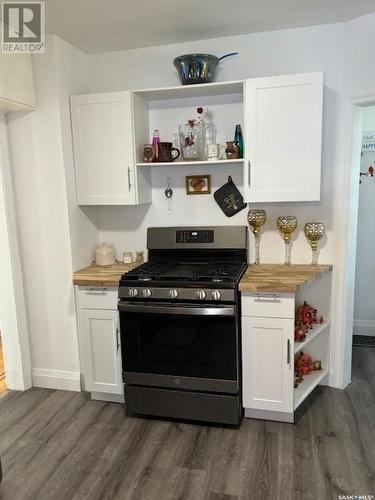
x=101, y=275
x=279, y=278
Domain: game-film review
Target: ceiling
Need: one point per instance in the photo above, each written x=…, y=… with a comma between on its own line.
x=100, y=26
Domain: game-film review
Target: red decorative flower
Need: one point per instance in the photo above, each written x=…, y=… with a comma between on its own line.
x=191, y=123
x=199, y=110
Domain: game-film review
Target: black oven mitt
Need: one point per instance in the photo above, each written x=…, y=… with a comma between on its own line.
x=229, y=199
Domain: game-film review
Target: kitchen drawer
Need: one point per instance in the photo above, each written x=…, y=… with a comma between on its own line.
x=270, y=305
x=90, y=297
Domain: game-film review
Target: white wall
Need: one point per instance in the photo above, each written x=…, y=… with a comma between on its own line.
x=12, y=301
x=72, y=74
x=364, y=310
x=50, y=225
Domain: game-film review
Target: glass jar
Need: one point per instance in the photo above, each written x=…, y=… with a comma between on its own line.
x=139, y=257
x=192, y=141
x=127, y=257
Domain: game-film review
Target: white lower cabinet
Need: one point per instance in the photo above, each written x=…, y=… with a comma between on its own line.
x=267, y=357
x=99, y=343
x=267, y=363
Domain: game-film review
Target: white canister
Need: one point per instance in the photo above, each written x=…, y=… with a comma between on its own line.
x=104, y=255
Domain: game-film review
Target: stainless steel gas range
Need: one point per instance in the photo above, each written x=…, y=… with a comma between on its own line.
x=180, y=325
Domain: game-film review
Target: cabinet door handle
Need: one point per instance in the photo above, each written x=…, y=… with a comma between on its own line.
x=96, y=290
x=267, y=297
x=129, y=183
x=288, y=352
x=117, y=339
x=249, y=172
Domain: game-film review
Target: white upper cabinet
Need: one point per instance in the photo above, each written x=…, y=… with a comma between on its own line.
x=16, y=83
x=283, y=129
x=102, y=127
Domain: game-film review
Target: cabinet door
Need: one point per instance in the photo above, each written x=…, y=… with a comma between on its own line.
x=100, y=351
x=283, y=129
x=103, y=148
x=267, y=363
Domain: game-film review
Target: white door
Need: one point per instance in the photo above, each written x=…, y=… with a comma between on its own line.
x=100, y=351
x=103, y=148
x=267, y=363
x=283, y=129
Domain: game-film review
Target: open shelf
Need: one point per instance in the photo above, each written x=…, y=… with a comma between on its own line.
x=308, y=385
x=317, y=330
x=192, y=91
x=190, y=163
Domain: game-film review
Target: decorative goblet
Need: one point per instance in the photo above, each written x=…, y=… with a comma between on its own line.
x=256, y=218
x=287, y=224
x=314, y=231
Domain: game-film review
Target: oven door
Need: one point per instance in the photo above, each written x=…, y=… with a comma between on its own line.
x=180, y=346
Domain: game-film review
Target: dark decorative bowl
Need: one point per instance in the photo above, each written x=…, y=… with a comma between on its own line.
x=197, y=68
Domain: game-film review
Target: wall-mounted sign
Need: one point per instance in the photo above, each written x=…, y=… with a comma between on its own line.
x=368, y=141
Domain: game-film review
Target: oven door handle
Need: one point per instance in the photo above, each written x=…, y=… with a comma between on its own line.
x=187, y=311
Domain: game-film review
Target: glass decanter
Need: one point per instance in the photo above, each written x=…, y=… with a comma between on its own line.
x=314, y=231
x=256, y=218
x=287, y=224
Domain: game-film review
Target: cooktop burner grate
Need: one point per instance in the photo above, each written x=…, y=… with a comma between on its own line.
x=186, y=271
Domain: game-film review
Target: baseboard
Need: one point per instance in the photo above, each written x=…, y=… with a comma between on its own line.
x=364, y=327
x=103, y=396
x=279, y=416
x=56, y=379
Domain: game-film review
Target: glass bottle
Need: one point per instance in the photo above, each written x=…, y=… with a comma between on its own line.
x=238, y=139
x=210, y=128
x=155, y=145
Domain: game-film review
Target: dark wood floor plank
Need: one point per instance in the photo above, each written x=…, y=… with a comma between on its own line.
x=58, y=445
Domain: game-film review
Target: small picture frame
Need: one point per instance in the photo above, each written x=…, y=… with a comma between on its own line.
x=198, y=184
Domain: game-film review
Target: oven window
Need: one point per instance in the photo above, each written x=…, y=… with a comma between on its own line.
x=186, y=346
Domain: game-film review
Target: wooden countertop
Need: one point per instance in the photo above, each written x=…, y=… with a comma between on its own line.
x=280, y=278
x=101, y=275
x=261, y=278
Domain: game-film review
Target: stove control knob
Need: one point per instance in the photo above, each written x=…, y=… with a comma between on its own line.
x=147, y=293
x=173, y=293
x=200, y=295
x=216, y=295
x=133, y=292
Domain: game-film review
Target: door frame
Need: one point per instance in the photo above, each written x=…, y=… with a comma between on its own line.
x=345, y=304
x=12, y=299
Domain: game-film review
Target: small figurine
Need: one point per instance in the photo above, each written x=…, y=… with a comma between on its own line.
x=307, y=315
x=303, y=364
x=317, y=365
x=299, y=333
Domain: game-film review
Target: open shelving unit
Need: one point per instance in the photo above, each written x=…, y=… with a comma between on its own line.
x=317, y=330
x=167, y=108
x=308, y=385
x=317, y=342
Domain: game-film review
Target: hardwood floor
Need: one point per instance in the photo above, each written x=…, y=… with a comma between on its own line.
x=60, y=445
x=3, y=388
